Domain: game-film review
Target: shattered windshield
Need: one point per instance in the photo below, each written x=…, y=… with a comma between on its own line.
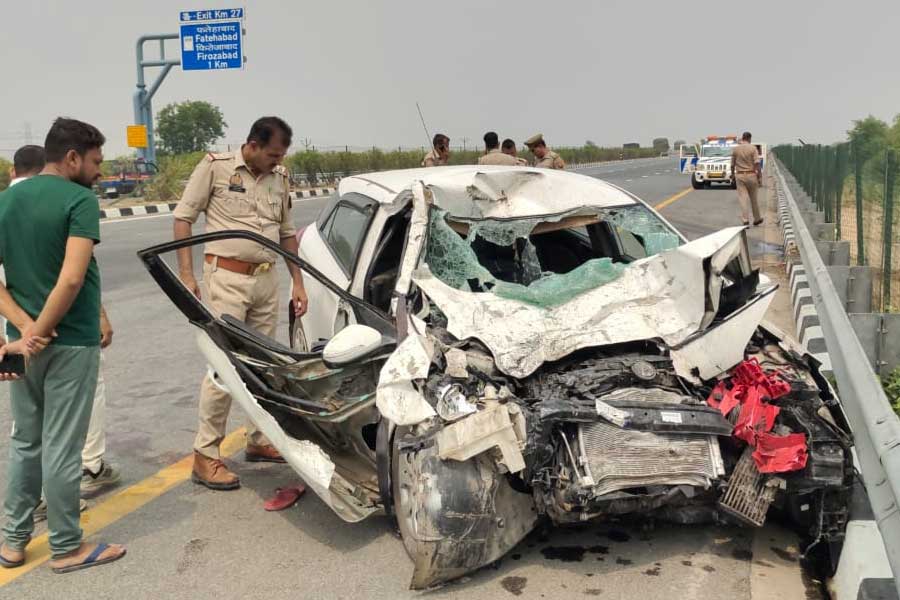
x=544, y=261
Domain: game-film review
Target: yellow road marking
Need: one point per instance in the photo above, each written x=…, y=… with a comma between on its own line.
x=121, y=504
x=672, y=199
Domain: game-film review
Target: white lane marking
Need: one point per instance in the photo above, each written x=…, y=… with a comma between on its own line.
x=628, y=180
x=644, y=176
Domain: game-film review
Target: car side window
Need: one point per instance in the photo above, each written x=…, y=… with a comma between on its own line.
x=630, y=245
x=345, y=231
x=326, y=217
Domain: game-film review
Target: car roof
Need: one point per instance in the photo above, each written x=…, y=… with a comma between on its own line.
x=531, y=190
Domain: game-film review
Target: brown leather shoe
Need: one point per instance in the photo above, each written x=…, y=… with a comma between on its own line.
x=212, y=473
x=255, y=453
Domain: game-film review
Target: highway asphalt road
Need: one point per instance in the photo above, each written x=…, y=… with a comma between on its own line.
x=191, y=543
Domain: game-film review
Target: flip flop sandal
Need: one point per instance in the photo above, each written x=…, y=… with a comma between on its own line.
x=12, y=564
x=284, y=498
x=90, y=561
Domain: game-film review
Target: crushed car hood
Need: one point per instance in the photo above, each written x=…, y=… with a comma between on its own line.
x=669, y=296
x=511, y=193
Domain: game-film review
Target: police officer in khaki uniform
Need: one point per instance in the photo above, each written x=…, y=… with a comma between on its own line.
x=492, y=154
x=439, y=155
x=248, y=190
x=544, y=157
x=745, y=167
x=509, y=148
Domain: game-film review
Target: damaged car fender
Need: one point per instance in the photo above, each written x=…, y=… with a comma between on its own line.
x=455, y=516
x=397, y=398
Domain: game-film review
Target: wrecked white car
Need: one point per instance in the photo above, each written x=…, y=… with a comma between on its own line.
x=489, y=347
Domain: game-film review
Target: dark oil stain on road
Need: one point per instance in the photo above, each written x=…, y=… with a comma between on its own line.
x=624, y=561
x=593, y=592
x=514, y=585
x=617, y=535
x=687, y=563
x=764, y=563
x=572, y=553
x=576, y=528
x=784, y=555
x=709, y=568
x=654, y=572
x=740, y=554
x=564, y=553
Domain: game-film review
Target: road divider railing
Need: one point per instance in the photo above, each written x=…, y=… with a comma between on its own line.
x=876, y=427
x=165, y=208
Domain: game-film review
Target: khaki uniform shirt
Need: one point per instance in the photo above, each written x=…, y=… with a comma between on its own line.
x=433, y=159
x=232, y=198
x=745, y=157
x=497, y=157
x=551, y=160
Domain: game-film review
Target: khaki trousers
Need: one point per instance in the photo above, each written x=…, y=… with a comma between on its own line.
x=254, y=300
x=747, y=187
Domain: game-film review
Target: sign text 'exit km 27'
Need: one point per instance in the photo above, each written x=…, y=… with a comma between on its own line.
x=212, y=39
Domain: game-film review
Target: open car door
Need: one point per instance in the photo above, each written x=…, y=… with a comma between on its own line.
x=317, y=408
x=687, y=160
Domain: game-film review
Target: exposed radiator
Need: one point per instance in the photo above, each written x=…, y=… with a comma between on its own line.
x=617, y=459
x=749, y=492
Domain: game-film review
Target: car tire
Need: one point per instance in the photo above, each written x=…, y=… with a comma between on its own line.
x=401, y=476
x=438, y=503
x=697, y=185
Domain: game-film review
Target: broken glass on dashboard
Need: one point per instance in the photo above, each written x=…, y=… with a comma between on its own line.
x=544, y=261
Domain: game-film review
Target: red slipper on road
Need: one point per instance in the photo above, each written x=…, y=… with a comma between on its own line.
x=284, y=498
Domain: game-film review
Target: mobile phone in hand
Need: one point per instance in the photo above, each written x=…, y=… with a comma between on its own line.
x=12, y=364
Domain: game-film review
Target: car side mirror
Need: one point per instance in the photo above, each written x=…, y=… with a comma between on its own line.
x=352, y=343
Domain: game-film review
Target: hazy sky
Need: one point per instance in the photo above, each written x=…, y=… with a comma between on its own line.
x=351, y=72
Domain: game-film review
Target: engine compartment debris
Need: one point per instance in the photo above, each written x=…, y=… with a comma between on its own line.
x=752, y=392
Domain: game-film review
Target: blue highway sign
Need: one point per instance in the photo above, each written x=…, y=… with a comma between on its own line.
x=211, y=46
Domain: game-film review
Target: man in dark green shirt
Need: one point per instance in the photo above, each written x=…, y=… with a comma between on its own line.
x=48, y=227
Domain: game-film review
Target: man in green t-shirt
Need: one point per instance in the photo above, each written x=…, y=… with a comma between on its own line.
x=48, y=227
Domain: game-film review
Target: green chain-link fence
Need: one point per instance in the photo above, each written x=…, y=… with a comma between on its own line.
x=853, y=183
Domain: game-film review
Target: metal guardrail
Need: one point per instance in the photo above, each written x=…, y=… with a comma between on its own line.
x=876, y=428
